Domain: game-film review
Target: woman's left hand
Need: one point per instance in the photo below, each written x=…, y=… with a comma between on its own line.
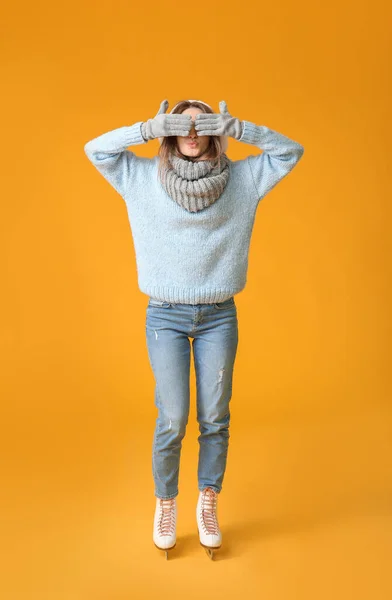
x=221, y=123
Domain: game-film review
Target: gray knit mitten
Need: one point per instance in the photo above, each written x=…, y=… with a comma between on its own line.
x=166, y=124
x=221, y=123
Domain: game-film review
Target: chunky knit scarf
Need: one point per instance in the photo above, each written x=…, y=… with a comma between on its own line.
x=194, y=185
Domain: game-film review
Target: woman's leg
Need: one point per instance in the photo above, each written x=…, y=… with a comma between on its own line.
x=169, y=354
x=215, y=346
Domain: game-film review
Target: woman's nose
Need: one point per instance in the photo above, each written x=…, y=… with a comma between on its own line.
x=192, y=130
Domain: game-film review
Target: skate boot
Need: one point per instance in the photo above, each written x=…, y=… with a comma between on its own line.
x=165, y=522
x=207, y=521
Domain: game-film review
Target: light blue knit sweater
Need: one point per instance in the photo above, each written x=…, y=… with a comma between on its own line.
x=192, y=257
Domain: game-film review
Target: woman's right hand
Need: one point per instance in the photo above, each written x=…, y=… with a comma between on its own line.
x=163, y=124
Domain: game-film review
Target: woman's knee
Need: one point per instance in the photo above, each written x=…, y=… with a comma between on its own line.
x=174, y=424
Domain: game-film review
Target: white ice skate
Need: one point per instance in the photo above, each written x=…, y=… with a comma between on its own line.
x=207, y=521
x=165, y=522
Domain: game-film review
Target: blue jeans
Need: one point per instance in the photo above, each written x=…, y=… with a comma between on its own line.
x=214, y=329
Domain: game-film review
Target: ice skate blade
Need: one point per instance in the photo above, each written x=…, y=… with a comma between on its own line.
x=210, y=550
x=165, y=550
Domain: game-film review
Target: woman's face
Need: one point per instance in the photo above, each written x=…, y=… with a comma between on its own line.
x=199, y=143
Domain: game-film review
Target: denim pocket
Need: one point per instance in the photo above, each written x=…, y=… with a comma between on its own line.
x=159, y=303
x=225, y=303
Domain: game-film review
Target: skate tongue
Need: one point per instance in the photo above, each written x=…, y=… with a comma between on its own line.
x=209, y=498
x=166, y=504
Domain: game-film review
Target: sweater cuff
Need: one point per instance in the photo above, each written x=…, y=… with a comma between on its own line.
x=251, y=133
x=133, y=134
x=144, y=131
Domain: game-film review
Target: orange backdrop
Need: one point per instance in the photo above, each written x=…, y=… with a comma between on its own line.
x=306, y=507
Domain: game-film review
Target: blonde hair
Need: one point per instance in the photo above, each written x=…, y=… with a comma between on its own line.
x=169, y=143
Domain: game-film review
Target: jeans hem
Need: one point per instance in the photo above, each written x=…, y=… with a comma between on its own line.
x=167, y=497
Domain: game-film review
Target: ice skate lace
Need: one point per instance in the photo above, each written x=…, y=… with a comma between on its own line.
x=167, y=516
x=208, y=511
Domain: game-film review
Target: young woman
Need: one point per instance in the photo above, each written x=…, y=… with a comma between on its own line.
x=191, y=210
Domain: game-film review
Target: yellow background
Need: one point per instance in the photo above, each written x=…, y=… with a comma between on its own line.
x=305, y=509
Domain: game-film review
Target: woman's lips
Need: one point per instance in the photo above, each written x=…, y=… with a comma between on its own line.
x=192, y=143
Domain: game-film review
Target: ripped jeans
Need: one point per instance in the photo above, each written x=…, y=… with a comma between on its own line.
x=214, y=332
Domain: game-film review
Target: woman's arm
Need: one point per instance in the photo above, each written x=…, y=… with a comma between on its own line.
x=280, y=155
x=108, y=153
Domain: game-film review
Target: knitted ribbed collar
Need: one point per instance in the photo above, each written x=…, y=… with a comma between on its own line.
x=194, y=185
